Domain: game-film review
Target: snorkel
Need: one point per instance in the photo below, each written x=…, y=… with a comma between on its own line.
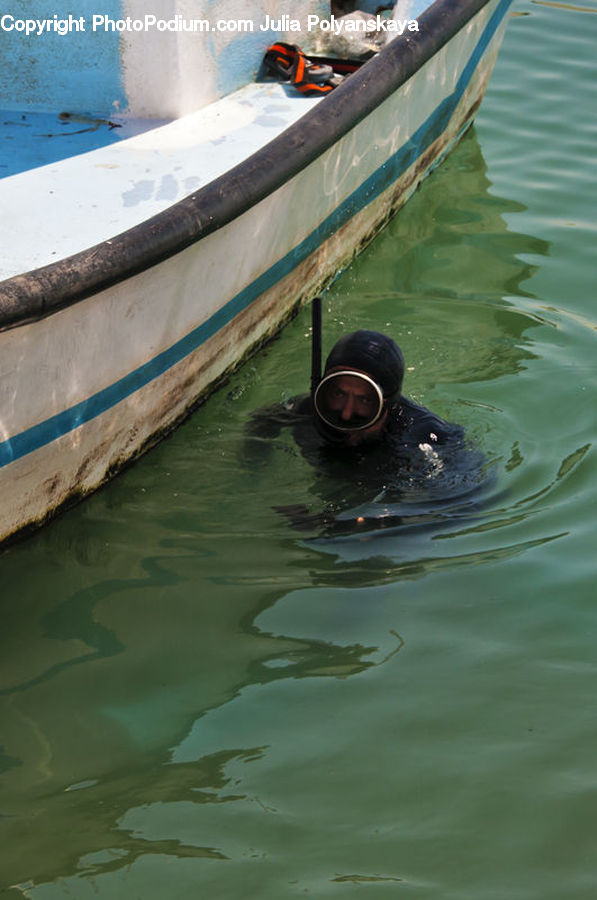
x=315, y=344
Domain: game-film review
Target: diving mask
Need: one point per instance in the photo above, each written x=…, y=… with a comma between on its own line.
x=348, y=400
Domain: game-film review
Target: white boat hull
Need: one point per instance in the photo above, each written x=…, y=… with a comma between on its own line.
x=94, y=384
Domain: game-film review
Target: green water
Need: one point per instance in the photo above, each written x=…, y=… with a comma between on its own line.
x=199, y=701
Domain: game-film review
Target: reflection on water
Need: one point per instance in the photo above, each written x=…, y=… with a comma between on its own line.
x=91, y=732
x=442, y=278
x=196, y=699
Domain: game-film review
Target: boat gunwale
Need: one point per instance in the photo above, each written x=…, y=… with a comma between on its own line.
x=41, y=292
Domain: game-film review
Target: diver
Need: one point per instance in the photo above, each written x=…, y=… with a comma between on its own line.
x=358, y=405
x=367, y=440
x=359, y=400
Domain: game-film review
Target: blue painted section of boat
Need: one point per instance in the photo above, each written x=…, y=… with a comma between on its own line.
x=43, y=70
x=405, y=9
x=51, y=429
x=32, y=139
x=231, y=60
x=165, y=60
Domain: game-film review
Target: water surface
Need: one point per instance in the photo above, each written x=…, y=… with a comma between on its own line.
x=200, y=701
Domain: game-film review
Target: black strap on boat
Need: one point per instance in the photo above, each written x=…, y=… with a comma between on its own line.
x=309, y=76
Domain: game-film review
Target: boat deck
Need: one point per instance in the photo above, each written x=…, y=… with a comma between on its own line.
x=55, y=210
x=31, y=139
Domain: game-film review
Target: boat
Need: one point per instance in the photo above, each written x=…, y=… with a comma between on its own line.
x=138, y=274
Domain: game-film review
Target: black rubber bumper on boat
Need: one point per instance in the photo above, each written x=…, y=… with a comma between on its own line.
x=41, y=292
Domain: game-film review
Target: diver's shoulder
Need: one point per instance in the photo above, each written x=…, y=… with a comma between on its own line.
x=268, y=421
x=301, y=405
x=417, y=423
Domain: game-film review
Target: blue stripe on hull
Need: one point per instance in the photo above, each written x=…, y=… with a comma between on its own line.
x=57, y=426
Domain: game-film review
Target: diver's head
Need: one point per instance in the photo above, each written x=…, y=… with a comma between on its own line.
x=362, y=380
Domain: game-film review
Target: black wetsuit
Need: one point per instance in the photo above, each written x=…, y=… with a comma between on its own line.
x=418, y=459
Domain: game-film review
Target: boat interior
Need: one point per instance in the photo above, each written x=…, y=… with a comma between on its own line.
x=72, y=178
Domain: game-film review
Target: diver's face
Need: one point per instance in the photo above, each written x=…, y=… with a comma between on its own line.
x=354, y=438
x=351, y=399
x=352, y=404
